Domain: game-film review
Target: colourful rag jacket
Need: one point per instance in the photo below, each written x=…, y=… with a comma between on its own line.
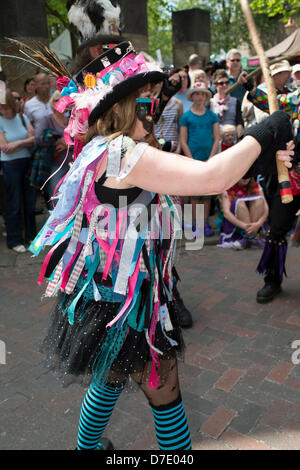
x=122, y=243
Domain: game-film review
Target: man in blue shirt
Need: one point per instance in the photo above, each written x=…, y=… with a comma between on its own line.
x=233, y=70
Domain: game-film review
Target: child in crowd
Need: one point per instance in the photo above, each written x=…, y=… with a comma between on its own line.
x=245, y=212
x=228, y=136
x=198, y=76
x=199, y=139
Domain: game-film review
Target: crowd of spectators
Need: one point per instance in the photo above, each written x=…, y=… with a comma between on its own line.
x=202, y=119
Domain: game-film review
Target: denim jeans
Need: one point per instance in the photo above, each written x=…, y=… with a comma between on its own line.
x=18, y=193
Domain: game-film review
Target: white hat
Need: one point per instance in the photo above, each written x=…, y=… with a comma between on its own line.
x=296, y=68
x=198, y=87
x=282, y=66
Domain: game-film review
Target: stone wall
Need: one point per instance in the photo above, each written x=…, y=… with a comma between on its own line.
x=23, y=20
x=191, y=35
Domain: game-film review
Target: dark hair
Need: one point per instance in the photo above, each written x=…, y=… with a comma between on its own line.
x=2, y=76
x=28, y=80
x=213, y=66
x=181, y=69
x=220, y=73
x=257, y=78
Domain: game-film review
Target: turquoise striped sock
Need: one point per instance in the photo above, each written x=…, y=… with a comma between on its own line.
x=172, y=431
x=96, y=411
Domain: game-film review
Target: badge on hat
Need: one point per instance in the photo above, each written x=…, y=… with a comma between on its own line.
x=89, y=80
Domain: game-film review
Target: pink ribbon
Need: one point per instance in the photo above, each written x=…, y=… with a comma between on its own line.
x=114, y=66
x=113, y=247
x=131, y=287
x=132, y=67
x=47, y=259
x=64, y=103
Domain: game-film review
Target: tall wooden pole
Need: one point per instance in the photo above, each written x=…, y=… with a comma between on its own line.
x=283, y=175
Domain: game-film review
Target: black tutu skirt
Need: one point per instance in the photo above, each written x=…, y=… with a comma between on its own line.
x=86, y=350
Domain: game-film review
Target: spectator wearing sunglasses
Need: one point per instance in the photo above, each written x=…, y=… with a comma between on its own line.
x=233, y=69
x=227, y=107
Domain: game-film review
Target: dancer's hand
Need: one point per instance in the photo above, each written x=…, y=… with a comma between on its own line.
x=273, y=134
x=243, y=81
x=286, y=156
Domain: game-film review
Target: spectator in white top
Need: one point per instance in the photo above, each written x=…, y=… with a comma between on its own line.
x=39, y=107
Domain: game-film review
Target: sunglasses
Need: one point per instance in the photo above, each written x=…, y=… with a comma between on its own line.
x=18, y=98
x=147, y=105
x=223, y=83
x=235, y=60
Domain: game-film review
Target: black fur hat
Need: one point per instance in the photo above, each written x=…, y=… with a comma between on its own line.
x=98, y=21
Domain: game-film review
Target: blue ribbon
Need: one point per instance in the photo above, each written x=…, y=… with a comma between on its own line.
x=71, y=88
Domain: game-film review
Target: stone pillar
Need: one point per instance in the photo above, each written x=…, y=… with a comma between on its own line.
x=134, y=24
x=23, y=20
x=191, y=35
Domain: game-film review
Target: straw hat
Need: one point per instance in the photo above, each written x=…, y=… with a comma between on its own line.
x=282, y=66
x=198, y=87
x=296, y=68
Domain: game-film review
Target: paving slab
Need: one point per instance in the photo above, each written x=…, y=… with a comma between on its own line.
x=239, y=385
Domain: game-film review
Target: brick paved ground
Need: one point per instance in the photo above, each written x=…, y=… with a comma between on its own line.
x=239, y=385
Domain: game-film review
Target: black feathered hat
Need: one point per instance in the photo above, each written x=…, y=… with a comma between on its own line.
x=124, y=89
x=108, y=58
x=113, y=75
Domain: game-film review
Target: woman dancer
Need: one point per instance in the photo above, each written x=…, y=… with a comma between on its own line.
x=113, y=233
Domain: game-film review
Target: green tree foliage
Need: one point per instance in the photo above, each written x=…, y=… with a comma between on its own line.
x=228, y=27
x=285, y=9
x=57, y=17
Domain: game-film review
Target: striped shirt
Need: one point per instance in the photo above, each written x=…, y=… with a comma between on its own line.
x=167, y=127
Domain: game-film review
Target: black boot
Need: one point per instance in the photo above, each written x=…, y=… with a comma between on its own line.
x=268, y=293
x=185, y=317
x=272, y=264
x=106, y=444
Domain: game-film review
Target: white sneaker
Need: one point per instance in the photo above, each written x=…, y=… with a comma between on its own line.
x=19, y=249
x=238, y=245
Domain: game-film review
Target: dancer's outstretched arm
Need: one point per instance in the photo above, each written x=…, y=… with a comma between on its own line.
x=166, y=173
